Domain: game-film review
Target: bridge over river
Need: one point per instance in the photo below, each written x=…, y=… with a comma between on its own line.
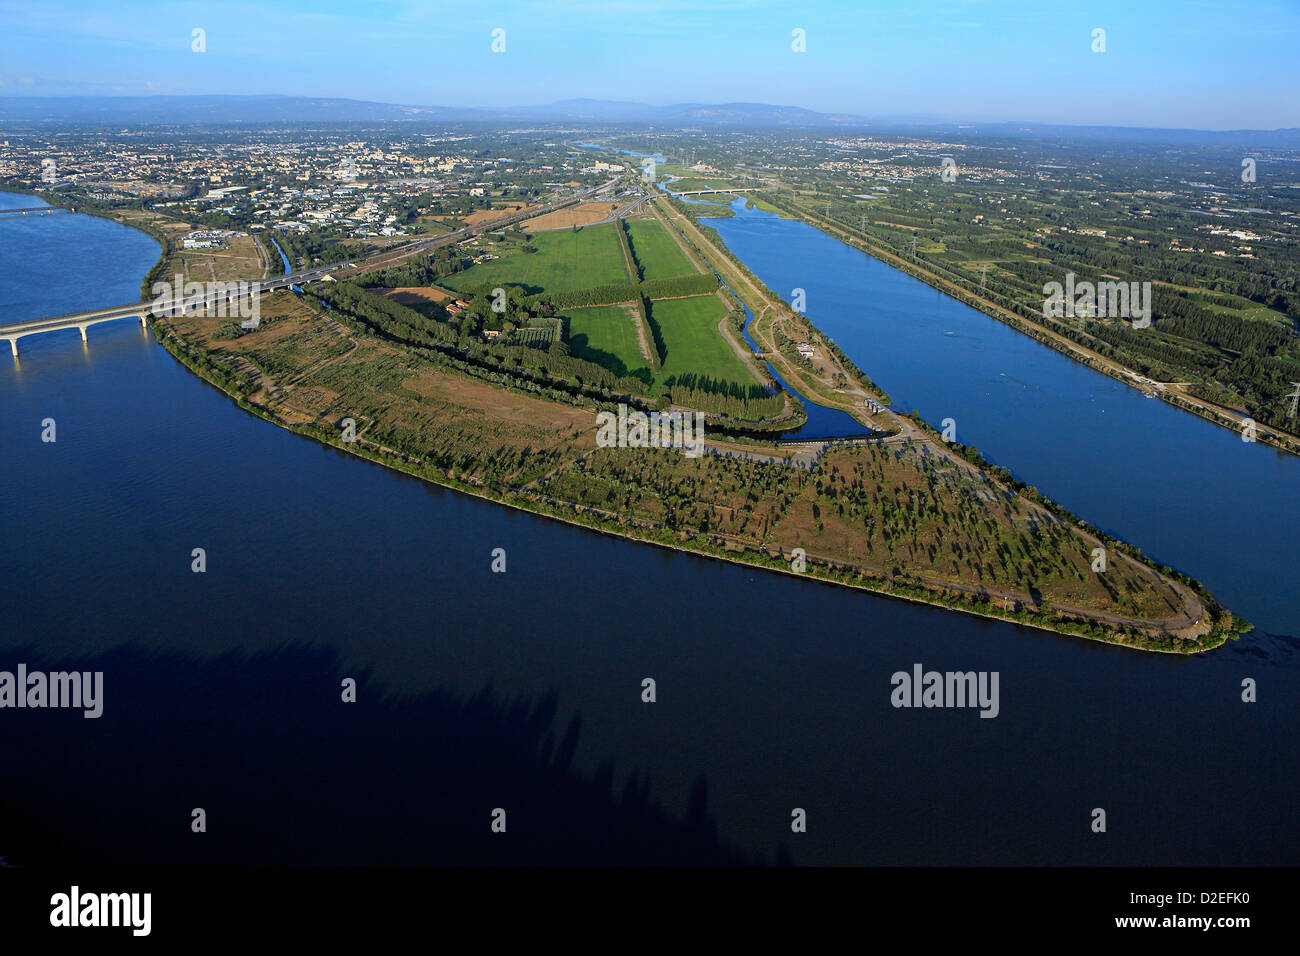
x=41, y=210
x=12, y=332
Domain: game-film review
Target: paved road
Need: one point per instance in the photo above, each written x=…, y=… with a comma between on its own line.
x=315, y=274
x=634, y=206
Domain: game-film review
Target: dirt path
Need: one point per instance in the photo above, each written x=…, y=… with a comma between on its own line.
x=262, y=256
x=762, y=307
x=743, y=353
x=691, y=254
x=628, y=265
x=1216, y=413
x=642, y=333
x=1190, y=621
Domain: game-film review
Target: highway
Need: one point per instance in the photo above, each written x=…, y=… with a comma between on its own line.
x=636, y=205
x=14, y=330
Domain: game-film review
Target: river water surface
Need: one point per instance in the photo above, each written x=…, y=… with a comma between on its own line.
x=522, y=691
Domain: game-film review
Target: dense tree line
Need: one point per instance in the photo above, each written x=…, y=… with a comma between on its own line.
x=311, y=249
x=553, y=366
x=412, y=272
x=1184, y=318
x=736, y=400
x=697, y=284
x=657, y=343
x=1255, y=381
x=629, y=250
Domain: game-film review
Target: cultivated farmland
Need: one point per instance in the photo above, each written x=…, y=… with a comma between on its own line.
x=656, y=252
x=606, y=335
x=578, y=215
x=564, y=261
x=692, y=343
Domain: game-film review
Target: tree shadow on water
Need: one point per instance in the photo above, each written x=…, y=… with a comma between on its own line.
x=287, y=773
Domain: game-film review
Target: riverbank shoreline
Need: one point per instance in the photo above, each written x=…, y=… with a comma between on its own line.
x=1201, y=408
x=912, y=588
x=178, y=347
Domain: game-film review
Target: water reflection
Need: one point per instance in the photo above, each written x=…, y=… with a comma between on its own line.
x=289, y=774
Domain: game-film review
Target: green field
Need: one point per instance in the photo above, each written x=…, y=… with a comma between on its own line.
x=674, y=169
x=606, y=335
x=692, y=342
x=564, y=261
x=700, y=182
x=687, y=339
x=659, y=256
x=721, y=199
x=762, y=204
x=1245, y=308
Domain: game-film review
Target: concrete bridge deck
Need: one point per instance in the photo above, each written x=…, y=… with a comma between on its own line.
x=26, y=209
x=81, y=321
x=13, y=331
x=705, y=192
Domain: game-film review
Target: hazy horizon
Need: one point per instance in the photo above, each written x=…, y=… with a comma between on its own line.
x=883, y=120
x=1195, y=65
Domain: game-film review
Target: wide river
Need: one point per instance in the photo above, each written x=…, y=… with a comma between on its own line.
x=522, y=691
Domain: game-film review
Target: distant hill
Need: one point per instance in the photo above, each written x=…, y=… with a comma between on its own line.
x=1246, y=138
x=189, y=110
x=200, y=110
x=222, y=110
x=754, y=115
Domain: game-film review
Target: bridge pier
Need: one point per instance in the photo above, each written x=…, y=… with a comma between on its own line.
x=81, y=321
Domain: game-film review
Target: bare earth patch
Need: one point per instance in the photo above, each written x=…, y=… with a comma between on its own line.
x=583, y=214
x=413, y=295
x=486, y=215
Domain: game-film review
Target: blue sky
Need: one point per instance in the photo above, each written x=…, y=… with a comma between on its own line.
x=1208, y=64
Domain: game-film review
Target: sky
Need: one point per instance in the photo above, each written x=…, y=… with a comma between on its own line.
x=1200, y=64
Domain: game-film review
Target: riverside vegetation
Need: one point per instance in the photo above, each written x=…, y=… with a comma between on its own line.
x=511, y=417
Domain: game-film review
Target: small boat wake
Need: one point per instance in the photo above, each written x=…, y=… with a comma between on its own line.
x=1027, y=386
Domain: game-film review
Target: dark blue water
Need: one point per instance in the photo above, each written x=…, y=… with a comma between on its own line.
x=822, y=422
x=522, y=690
x=53, y=265
x=1189, y=493
x=20, y=201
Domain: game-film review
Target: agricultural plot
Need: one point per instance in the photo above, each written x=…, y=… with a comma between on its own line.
x=510, y=268
x=1242, y=307
x=656, y=252
x=699, y=182
x=578, y=215
x=414, y=296
x=493, y=212
x=238, y=260
x=538, y=334
x=563, y=262
x=606, y=335
x=688, y=329
x=532, y=338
